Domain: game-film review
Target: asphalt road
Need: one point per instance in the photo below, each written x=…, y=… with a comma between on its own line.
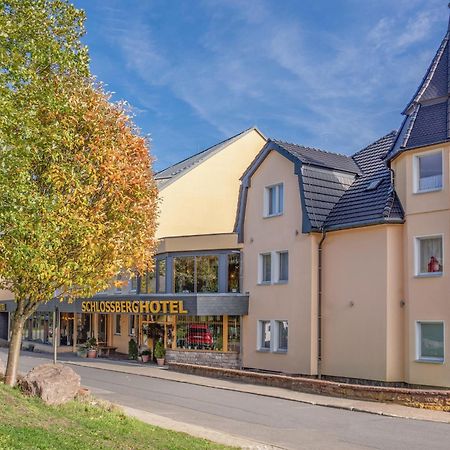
x=282, y=423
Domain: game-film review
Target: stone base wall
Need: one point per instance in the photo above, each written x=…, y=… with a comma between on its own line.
x=420, y=398
x=227, y=360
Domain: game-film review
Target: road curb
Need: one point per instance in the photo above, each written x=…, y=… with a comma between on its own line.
x=196, y=430
x=405, y=411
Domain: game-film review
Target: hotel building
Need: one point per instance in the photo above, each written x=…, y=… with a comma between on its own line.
x=284, y=258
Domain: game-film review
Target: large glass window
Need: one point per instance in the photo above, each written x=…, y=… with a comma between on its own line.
x=430, y=341
x=429, y=255
x=274, y=200
x=429, y=172
x=148, y=282
x=234, y=261
x=264, y=335
x=184, y=269
x=207, y=273
x=234, y=333
x=266, y=268
x=200, y=332
x=161, y=270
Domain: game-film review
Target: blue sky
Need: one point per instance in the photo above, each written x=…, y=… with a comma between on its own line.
x=329, y=74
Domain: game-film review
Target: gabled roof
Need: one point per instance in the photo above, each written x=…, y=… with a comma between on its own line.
x=371, y=199
x=427, y=120
x=336, y=191
x=172, y=173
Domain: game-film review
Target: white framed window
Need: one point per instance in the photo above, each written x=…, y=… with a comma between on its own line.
x=429, y=255
x=430, y=341
x=428, y=172
x=283, y=266
x=265, y=268
x=281, y=327
x=264, y=335
x=274, y=200
x=272, y=336
x=117, y=329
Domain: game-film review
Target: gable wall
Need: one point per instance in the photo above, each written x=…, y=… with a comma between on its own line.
x=204, y=200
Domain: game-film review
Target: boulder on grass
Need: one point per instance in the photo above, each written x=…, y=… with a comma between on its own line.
x=53, y=383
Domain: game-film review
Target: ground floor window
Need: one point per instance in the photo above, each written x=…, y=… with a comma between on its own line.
x=84, y=327
x=39, y=328
x=117, y=326
x=272, y=335
x=200, y=332
x=430, y=341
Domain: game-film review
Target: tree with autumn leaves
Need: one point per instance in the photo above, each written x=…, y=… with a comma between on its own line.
x=78, y=201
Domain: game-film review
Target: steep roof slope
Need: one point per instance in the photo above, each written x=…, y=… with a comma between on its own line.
x=371, y=198
x=427, y=118
x=172, y=173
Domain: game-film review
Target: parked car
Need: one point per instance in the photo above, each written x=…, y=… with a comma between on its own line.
x=199, y=336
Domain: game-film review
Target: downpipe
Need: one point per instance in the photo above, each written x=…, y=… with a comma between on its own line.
x=319, y=305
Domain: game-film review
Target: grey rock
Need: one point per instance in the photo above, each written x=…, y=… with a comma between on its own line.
x=53, y=383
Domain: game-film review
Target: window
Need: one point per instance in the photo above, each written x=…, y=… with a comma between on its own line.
x=196, y=274
x=282, y=334
x=274, y=200
x=207, y=271
x=118, y=283
x=132, y=325
x=234, y=260
x=148, y=282
x=429, y=255
x=428, y=172
x=430, y=341
x=117, y=324
x=161, y=271
x=184, y=269
x=265, y=268
x=133, y=282
x=264, y=335
x=283, y=266
x=276, y=341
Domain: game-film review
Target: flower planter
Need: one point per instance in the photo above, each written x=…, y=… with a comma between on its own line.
x=160, y=361
x=92, y=354
x=145, y=358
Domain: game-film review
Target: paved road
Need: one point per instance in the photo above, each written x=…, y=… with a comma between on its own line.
x=283, y=423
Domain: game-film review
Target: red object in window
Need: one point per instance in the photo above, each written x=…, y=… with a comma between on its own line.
x=433, y=265
x=199, y=335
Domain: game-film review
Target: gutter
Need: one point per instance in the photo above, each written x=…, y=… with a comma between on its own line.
x=319, y=305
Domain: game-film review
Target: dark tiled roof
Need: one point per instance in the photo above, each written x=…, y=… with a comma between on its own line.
x=322, y=190
x=359, y=206
x=319, y=158
x=427, y=114
x=170, y=174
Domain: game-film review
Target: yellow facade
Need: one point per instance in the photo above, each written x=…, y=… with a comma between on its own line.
x=203, y=200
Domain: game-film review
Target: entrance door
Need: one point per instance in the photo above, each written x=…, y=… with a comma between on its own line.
x=4, y=325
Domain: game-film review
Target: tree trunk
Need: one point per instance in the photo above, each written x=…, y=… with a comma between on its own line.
x=14, y=347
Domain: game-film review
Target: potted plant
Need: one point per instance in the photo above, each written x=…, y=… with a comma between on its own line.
x=91, y=347
x=82, y=351
x=145, y=355
x=160, y=353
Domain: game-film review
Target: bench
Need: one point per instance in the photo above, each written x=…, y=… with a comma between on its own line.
x=105, y=350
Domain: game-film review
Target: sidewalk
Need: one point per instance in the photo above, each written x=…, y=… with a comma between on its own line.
x=384, y=409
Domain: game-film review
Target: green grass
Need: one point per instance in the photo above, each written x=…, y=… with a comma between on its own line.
x=27, y=423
